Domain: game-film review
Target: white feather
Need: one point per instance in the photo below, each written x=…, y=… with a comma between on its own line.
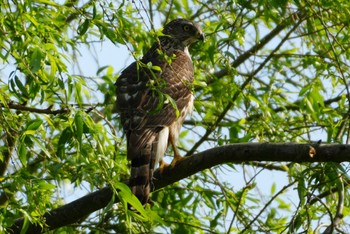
x=162, y=145
x=187, y=52
x=173, y=130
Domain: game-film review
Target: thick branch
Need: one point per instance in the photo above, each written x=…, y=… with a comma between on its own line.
x=236, y=153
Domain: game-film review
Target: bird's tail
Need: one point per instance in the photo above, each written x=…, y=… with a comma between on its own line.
x=145, y=150
x=142, y=168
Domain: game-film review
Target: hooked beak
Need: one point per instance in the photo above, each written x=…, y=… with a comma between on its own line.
x=201, y=37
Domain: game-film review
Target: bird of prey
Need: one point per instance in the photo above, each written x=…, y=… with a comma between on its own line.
x=154, y=95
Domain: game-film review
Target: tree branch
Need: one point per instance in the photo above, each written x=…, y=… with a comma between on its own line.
x=259, y=45
x=236, y=153
x=48, y=110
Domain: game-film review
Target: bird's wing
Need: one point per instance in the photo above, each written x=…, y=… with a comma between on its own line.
x=151, y=98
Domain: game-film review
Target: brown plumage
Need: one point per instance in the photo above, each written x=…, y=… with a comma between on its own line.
x=153, y=103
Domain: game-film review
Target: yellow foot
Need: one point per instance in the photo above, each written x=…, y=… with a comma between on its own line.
x=162, y=165
x=177, y=158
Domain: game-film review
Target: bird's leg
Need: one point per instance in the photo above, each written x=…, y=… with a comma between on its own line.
x=162, y=165
x=177, y=156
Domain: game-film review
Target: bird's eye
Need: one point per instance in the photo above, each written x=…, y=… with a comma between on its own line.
x=186, y=28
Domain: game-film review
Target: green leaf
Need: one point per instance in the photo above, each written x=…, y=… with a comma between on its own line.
x=156, y=68
x=94, y=11
x=22, y=153
x=41, y=145
x=302, y=191
x=126, y=195
x=53, y=64
x=3, y=100
x=110, y=204
x=304, y=90
x=66, y=136
x=173, y=104
x=25, y=224
x=34, y=124
x=35, y=60
x=45, y=185
x=82, y=29
x=79, y=124
x=32, y=20
x=29, y=132
x=101, y=69
x=78, y=90
x=21, y=87
x=273, y=188
x=160, y=103
x=112, y=35
x=214, y=222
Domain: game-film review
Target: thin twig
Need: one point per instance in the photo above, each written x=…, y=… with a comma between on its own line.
x=340, y=207
x=267, y=204
x=48, y=110
x=239, y=60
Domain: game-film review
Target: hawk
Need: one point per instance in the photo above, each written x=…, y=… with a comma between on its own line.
x=153, y=98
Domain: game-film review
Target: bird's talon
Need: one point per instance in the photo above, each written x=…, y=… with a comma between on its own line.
x=176, y=160
x=162, y=166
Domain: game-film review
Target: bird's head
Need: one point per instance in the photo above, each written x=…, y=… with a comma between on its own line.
x=184, y=31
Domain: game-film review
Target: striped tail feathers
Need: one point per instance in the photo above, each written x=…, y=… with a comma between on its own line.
x=141, y=174
x=146, y=149
x=142, y=150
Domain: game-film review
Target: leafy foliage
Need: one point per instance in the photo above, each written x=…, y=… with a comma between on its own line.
x=268, y=71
